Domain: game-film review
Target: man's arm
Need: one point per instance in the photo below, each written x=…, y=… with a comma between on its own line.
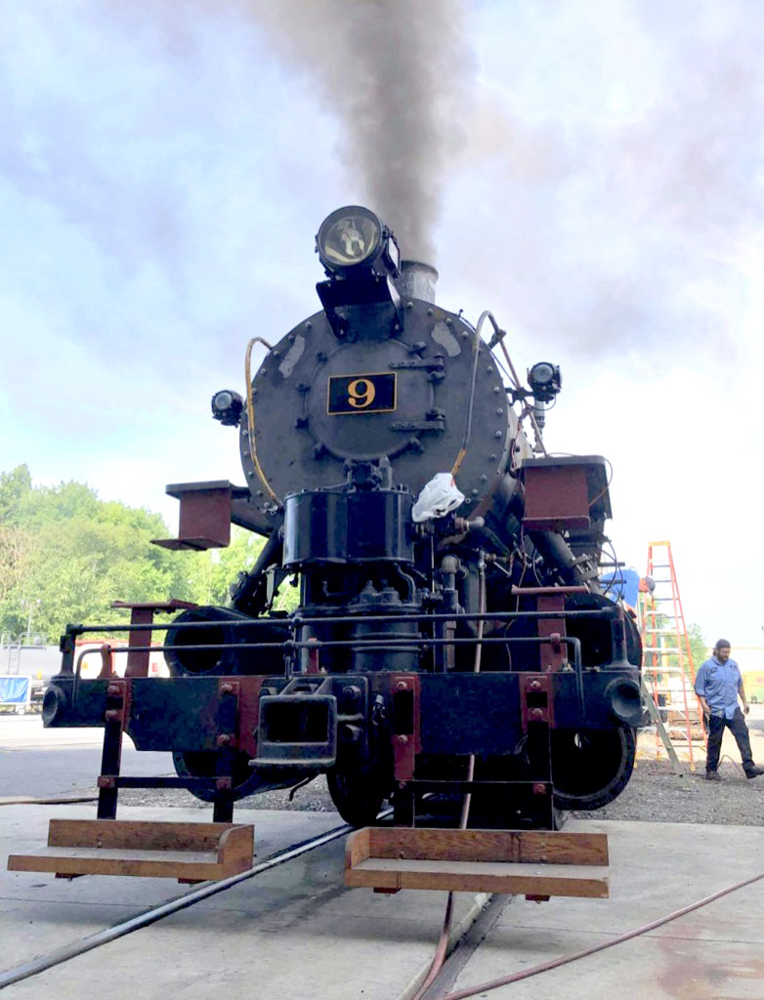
x=741, y=692
x=700, y=689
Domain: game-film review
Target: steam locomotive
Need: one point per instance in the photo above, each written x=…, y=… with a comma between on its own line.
x=451, y=634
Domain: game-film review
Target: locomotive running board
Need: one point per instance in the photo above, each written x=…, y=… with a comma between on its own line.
x=535, y=864
x=189, y=852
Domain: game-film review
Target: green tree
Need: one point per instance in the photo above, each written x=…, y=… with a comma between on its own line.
x=209, y=575
x=698, y=645
x=15, y=487
x=65, y=555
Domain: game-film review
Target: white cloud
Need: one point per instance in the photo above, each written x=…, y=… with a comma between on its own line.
x=162, y=175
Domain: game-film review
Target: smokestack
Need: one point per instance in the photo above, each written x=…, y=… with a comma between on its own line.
x=417, y=281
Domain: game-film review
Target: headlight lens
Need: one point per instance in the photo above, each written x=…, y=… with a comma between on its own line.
x=348, y=237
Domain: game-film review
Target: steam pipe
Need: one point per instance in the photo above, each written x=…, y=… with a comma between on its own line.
x=556, y=551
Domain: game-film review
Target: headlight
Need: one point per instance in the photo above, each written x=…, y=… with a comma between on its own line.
x=348, y=237
x=545, y=381
x=227, y=407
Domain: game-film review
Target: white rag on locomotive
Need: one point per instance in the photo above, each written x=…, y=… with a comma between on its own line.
x=452, y=635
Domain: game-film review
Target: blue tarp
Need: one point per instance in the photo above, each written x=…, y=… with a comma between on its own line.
x=15, y=690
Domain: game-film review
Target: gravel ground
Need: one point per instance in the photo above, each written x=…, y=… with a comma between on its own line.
x=655, y=793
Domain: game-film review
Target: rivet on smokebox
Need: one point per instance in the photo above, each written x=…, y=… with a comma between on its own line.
x=537, y=713
x=401, y=686
x=535, y=685
x=403, y=740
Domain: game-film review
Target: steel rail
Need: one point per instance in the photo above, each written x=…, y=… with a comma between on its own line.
x=37, y=965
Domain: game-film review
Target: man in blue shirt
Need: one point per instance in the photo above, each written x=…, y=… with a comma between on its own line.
x=718, y=684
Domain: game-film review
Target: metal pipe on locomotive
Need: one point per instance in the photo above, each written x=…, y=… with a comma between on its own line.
x=422, y=639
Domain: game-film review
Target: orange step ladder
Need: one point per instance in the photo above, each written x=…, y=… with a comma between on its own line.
x=668, y=667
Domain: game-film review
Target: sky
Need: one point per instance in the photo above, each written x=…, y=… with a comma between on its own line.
x=592, y=171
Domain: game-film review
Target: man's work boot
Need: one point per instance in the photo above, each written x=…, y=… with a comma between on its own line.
x=715, y=776
x=753, y=772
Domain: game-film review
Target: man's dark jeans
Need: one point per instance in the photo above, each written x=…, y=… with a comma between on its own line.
x=738, y=729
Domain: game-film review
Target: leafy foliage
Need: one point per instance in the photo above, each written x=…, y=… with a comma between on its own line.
x=698, y=645
x=65, y=555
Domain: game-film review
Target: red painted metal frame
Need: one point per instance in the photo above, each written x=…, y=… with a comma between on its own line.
x=556, y=498
x=536, y=688
x=246, y=690
x=143, y=614
x=406, y=745
x=551, y=654
x=205, y=516
x=120, y=689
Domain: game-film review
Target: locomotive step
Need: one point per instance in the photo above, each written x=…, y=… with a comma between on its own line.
x=190, y=852
x=535, y=864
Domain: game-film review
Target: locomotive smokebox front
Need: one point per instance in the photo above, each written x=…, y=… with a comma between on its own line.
x=383, y=376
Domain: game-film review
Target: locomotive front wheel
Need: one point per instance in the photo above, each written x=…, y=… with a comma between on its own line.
x=591, y=767
x=356, y=795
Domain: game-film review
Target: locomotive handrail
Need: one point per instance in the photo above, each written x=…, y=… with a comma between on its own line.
x=421, y=640
x=424, y=642
x=298, y=621
x=313, y=644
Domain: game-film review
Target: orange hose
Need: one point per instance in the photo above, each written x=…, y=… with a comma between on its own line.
x=440, y=951
x=517, y=977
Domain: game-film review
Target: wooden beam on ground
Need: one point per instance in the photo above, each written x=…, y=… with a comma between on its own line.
x=187, y=851
x=533, y=863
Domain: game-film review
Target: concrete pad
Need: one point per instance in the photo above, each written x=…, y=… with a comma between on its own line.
x=656, y=868
x=294, y=932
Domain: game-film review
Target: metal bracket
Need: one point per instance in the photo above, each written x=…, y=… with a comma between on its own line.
x=410, y=426
x=406, y=724
x=428, y=364
x=536, y=703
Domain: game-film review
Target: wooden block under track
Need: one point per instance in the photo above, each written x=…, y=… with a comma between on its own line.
x=537, y=863
x=188, y=851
